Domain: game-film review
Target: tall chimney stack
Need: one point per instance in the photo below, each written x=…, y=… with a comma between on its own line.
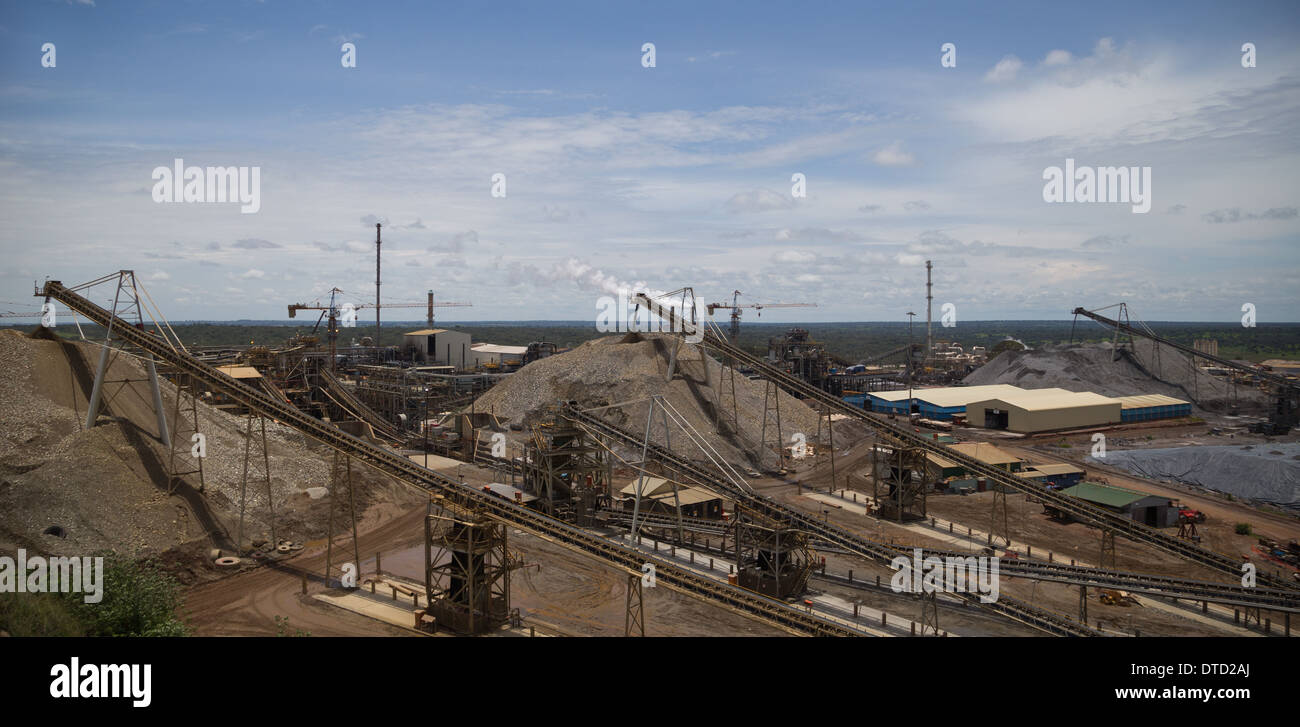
x=378, y=242
x=430, y=309
x=929, y=337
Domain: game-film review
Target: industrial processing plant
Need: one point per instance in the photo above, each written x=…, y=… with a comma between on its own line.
x=489, y=328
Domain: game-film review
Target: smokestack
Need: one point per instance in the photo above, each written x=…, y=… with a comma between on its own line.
x=430, y=309
x=377, y=244
x=929, y=337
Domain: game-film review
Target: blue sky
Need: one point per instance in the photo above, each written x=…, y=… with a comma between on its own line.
x=620, y=175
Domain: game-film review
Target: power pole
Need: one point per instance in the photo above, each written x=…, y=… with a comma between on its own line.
x=378, y=242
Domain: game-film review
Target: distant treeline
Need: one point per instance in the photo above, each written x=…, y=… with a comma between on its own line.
x=851, y=341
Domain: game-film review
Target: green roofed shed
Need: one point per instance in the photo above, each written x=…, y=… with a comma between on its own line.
x=1108, y=495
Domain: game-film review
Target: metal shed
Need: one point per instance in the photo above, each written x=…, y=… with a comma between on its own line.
x=1044, y=410
x=1154, y=510
x=1152, y=406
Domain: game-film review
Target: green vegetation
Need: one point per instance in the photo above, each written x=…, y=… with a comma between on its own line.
x=39, y=614
x=138, y=600
x=1007, y=345
x=282, y=628
x=849, y=341
x=1243, y=529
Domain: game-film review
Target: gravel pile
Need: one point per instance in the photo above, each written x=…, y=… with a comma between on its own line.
x=1094, y=368
x=618, y=369
x=106, y=487
x=1267, y=473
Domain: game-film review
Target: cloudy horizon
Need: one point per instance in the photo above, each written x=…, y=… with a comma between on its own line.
x=621, y=175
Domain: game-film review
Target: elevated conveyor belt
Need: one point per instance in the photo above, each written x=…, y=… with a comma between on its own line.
x=349, y=401
x=1023, y=612
x=1284, y=600
x=1076, y=507
x=630, y=560
x=1155, y=585
x=1228, y=363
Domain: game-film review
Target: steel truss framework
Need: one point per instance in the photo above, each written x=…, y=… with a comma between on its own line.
x=772, y=558
x=343, y=518
x=900, y=480
x=467, y=570
x=634, y=620
x=929, y=613
x=185, y=435
x=249, y=438
x=127, y=311
x=1000, y=518
x=566, y=470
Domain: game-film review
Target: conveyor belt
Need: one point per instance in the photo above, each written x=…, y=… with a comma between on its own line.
x=668, y=574
x=659, y=520
x=1228, y=363
x=1232, y=595
x=1169, y=586
x=349, y=401
x=1076, y=507
x=1023, y=612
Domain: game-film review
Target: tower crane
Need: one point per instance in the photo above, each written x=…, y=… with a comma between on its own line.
x=332, y=310
x=735, y=307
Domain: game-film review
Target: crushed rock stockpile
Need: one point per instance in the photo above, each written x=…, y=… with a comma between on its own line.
x=618, y=369
x=107, y=487
x=1264, y=473
x=1094, y=368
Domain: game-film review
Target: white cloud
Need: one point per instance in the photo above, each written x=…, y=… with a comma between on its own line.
x=1005, y=70
x=794, y=256
x=653, y=191
x=254, y=243
x=1116, y=97
x=758, y=200
x=1057, y=58
x=894, y=156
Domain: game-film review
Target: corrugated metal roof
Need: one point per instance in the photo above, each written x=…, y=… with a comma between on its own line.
x=951, y=396
x=653, y=486
x=940, y=461
x=688, y=495
x=1144, y=400
x=240, y=372
x=984, y=452
x=493, y=348
x=428, y=332
x=946, y=397
x=1058, y=469
x=1042, y=399
x=1105, y=494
